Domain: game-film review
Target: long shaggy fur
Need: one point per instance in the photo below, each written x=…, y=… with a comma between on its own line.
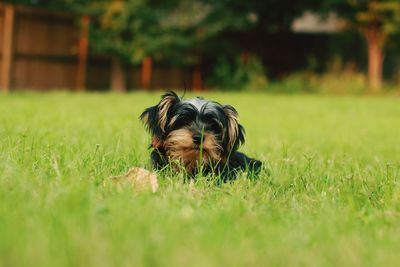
x=197, y=133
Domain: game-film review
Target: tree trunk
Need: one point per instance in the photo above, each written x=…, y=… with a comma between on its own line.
x=375, y=41
x=197, y=81
x=146, y=72
x=244, y=57
x=118, y=79
x=83, y=54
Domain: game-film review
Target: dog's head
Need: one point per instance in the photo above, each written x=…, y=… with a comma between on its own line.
x=193, y=131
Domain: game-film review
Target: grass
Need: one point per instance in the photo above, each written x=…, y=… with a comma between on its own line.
x=329, y=194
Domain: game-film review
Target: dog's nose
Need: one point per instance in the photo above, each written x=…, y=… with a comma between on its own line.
x=197, y=139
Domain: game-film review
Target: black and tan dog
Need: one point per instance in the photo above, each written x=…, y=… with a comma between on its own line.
x=198, y=135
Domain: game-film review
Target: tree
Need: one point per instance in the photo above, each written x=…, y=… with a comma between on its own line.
x=377, y=21
x=137, y=31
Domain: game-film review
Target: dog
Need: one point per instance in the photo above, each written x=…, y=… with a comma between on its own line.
x=198, y=135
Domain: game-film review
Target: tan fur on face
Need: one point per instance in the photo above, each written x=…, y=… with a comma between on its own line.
x=233, y=127
x=180, y=148
x=156, y=142
x=165, y=104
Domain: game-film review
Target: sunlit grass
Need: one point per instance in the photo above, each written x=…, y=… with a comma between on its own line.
x=329, y=193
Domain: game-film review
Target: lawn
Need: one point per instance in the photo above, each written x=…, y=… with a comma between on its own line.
x=329, y=194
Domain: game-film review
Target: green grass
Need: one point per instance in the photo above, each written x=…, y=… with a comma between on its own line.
x=329, y=194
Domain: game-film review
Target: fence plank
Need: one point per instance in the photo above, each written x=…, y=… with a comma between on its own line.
x=45, y=50
x=7, y=46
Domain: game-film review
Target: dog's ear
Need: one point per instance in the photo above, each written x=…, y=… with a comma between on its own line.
x=155, y=118
x=234, y=131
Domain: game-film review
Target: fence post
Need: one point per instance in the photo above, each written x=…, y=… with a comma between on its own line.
x=7, y=53
x=83, y=53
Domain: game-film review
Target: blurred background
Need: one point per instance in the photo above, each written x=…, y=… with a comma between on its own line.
x=322, y=46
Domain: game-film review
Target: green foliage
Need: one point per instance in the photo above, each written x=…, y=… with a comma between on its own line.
x=262, y=16
x=384, y=14
x=338, y=79
x=334, y=83
x=164, y=30
x=329, y=194
x=249, y=75
x=297, y=82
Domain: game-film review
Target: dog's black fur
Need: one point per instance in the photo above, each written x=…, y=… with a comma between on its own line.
x=196, y=133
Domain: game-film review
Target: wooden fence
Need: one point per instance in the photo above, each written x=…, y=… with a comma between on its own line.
x=43, y=50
